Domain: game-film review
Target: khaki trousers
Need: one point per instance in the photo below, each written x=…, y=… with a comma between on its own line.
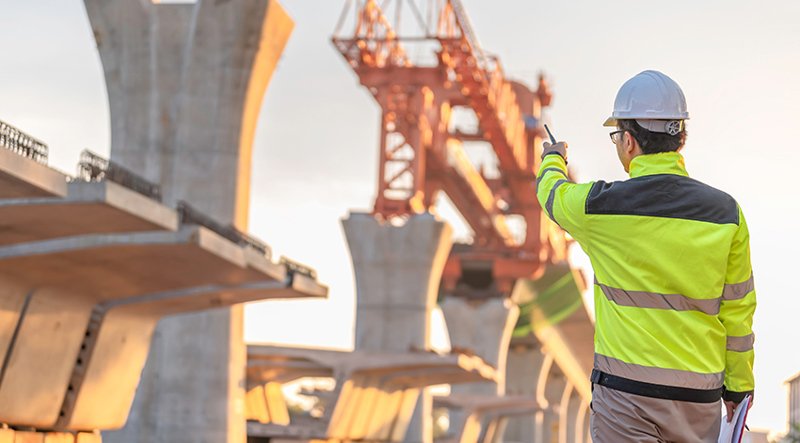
x=619, y=417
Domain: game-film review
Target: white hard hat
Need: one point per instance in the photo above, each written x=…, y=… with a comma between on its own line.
x=654, y=100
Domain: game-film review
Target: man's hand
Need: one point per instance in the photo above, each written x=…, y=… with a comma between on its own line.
x=560, y=147
x=730, y=406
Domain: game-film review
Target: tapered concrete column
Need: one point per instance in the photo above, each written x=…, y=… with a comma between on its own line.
x=523, y=368
x=397, y=272
x=485, y=327
x=185, y=85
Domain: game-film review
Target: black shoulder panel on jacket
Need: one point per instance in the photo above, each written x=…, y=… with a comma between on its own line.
x=663, y=195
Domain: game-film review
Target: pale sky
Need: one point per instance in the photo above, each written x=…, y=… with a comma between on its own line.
x=316, y=149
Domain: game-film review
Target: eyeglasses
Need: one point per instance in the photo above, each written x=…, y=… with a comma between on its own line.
x=615, y=136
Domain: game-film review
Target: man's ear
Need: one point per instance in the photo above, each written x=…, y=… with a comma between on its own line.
x=630, y=143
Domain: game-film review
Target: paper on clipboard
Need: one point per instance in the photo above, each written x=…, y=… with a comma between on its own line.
x=732, y=432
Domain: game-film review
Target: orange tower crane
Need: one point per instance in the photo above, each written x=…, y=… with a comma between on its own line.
x=421, y=152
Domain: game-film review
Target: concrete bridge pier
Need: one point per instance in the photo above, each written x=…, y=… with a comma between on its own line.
x=185, y=86
x=397, y=273
x=523, y=368
x=485, y=328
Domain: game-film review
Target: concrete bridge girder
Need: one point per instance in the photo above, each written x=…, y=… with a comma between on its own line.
x=60, y=275
x=12, y=436
x=484, y=415
x=87, y=208
x=375, y=394
x=147, y=274
x=22, y=177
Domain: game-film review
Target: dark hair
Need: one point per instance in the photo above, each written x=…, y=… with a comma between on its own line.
x=653, y=142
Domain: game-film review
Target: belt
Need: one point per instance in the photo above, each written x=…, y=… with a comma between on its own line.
x=656, y=391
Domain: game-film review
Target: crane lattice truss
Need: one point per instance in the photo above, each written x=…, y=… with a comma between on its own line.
x=421, y=153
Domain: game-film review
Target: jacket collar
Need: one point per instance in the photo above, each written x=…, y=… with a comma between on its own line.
x=663, y=163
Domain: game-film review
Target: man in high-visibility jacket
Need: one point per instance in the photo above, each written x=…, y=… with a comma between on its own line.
x=673, y=290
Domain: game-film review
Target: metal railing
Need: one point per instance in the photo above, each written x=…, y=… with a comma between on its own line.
x=23, y=144
x=297, y=268
x=93, y=168
x=189, y=215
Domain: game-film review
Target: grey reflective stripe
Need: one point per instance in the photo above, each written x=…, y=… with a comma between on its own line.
x=738, y=291
x=654, y=300
x=551, y=198
x=741, y=344
x=659, y=376
x=545, y=171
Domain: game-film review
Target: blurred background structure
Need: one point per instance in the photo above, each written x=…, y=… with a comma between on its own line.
x=315, y=153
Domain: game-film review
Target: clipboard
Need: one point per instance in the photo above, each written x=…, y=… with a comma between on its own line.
x=732, y=432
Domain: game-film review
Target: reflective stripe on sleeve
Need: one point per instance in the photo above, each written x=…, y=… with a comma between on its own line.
x=741, y=344
x=738, y=291
x=548, y=206
x=659, y=376
x=545, y=171
x=654, y=300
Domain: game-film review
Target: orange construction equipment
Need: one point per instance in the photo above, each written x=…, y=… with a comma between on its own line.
x=421, y=152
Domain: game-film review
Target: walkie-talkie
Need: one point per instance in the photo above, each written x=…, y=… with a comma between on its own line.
x=552, y=139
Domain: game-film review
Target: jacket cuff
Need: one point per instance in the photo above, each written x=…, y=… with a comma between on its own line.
x=735, y=396
x=556, y=153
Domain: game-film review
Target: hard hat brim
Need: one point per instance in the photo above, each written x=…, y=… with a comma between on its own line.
x=610, y=122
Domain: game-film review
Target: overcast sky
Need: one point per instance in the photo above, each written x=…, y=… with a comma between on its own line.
x=316, y=148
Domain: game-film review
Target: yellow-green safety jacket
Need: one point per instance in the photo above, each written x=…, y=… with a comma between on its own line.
x=673, y=290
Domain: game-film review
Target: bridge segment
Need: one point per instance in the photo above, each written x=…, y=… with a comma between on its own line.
x=86, y=277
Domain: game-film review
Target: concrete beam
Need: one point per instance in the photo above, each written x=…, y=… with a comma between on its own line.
x=88, y=208
x=484, y=415
x=129, y=281
x=12, y=436
x=377, y=391
x=21, y=177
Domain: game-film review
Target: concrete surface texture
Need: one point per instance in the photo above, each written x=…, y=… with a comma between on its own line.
x=21, y=177
x=89, y=208
x=397, y=273
x=485, y=328
x=11, y=436
x=484, y=415
x=375, y=393
x=185, y=84
x=523, y=367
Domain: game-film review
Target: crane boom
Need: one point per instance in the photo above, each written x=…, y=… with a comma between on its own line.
x=420, y=152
